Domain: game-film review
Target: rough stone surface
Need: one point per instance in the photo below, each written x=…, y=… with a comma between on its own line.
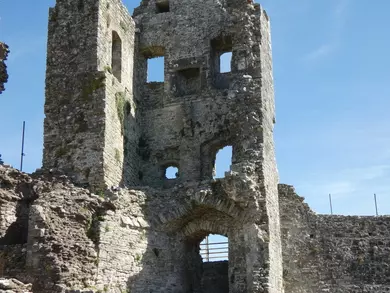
x=106, y=126
x=101, y=216
x=332, y=253
x=215, y=277
x=3, y=68
x=13, y=286
x=145, y=240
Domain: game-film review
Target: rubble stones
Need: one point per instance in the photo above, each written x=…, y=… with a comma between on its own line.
x=14, y=286
x=77, y=241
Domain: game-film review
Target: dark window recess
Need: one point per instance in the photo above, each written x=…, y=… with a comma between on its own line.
x=162, y=6
x=221, y=60
x=187, y=81
x=116, y=58
x=80, y=5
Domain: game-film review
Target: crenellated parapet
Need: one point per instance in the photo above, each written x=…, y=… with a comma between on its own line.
x=3, y=68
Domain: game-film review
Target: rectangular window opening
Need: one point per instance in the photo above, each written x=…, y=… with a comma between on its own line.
x=225, y=62
x=222, y=48
x=155, y=69
x=162, y=6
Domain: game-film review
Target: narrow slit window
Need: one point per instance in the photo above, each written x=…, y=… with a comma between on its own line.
x=116, y=58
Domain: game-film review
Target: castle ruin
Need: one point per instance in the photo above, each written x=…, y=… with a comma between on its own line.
x=102, y=216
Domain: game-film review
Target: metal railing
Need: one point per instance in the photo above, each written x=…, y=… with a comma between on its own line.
x=214, y=251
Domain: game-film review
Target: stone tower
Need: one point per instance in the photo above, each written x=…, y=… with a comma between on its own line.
x=106, y=125
x=89, y=93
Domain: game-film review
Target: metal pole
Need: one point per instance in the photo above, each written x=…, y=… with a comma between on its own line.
x=376, y=205
x=330, y=203
x=22, y=153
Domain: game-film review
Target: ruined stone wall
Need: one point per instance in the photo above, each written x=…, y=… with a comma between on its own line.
x=90, y=114
x=356, y=253
x=126, y=240
x=100, y=119
x=332, y=253
x=116, y=56
x=301, y=264
x=186, y=128
x=142, y=240
x=197, y=110
x=215, y=277
x=133, y=253
x=75, y=89
x=3, y=68
x=15, y=198
x=59, y=236
x=106, y=125
x=157, y=233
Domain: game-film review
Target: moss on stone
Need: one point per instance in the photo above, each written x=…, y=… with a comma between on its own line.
x=91, y=86
x=62, y=151
x=117, y=156
x=120, y=107
x=108, y=69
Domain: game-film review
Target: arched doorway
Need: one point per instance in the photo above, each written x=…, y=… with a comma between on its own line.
x=208, y=264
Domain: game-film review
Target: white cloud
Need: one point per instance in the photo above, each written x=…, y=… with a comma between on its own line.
x=336, y=20
x=320, y=52
x=341, y=8
x=366, y=173
x=347, y=181
x=352, y=191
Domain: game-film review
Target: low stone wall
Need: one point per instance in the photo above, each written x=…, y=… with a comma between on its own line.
x=356, y=250
x=338, y=254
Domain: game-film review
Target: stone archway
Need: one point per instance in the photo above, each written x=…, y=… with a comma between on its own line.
x=204, y=276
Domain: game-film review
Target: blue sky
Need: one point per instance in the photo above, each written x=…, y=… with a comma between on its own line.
x=332, y=83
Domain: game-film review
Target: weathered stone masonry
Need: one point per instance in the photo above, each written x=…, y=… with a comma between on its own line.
x=3, y=68
x=101, y=216
x=323, y=253
x=78, y=240
x=106, y=125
